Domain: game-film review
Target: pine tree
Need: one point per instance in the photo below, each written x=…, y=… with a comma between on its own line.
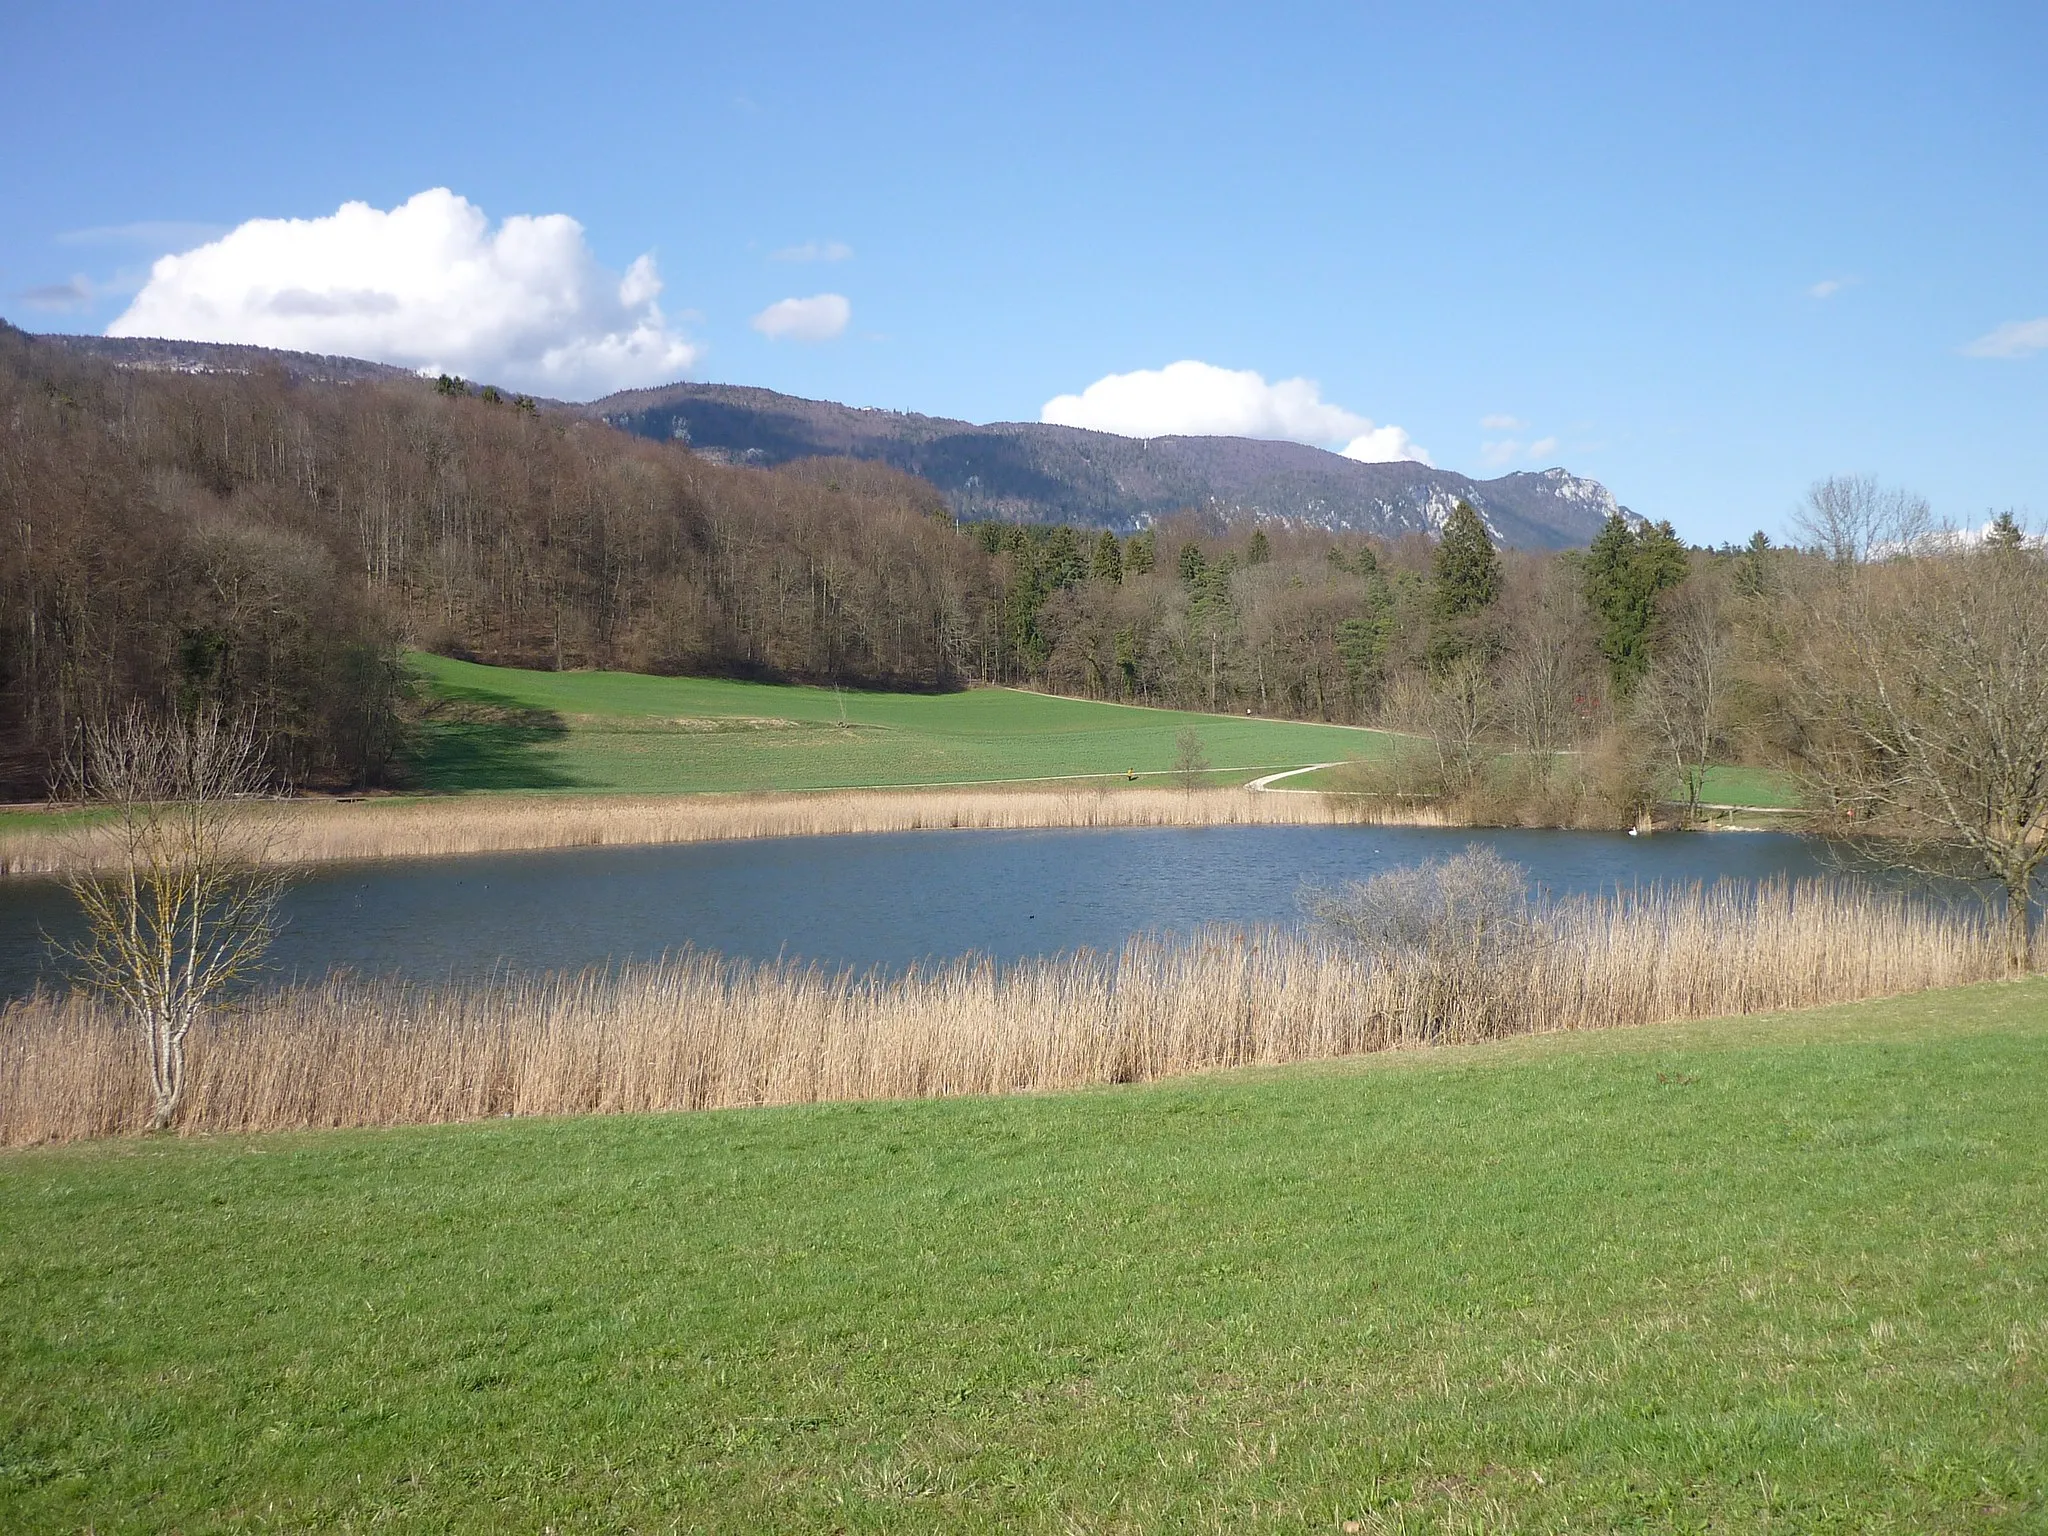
x=1261, y=549
x=1752, y=566
x=1141, y=554
x=1109, y=559
x=1063, y=564
x=1467, y=569
x=1624, y=573
x=2005, y=532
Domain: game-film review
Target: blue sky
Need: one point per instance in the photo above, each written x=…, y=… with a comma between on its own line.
x=1612, y=226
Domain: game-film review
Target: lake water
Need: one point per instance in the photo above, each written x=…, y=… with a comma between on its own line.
x=887, y=900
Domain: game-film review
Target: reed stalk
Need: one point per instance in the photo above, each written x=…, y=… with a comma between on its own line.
x=319, y=831
x=699, y=1032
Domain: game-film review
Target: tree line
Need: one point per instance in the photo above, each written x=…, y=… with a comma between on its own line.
x=268, y=548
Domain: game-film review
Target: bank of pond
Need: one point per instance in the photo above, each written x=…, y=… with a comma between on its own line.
x=883, y=900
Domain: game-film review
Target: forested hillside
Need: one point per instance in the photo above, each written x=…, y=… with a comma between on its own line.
x=1033, y=472
x=275, y=542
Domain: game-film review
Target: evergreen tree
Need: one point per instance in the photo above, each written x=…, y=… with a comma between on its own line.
x=2005, y=532
x=1752, y=566
x=1467, y=568
x=1261, y=549
x=1109, y=559
x=1063, y=563
x=1625, y=571
x=1465, y=581
x=1358, y=562
x=1141, y=554
x=1191, y=563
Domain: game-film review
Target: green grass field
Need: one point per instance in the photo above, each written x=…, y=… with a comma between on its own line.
x=1786, y=1274
x=1765, y=788
x=502, y=728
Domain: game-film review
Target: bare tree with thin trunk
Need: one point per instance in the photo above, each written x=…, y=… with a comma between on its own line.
x=183, y=904
x=1682, y=704
x=1920, y=691
x=1461, y=714
x=1190, y=759
x=1851, y=519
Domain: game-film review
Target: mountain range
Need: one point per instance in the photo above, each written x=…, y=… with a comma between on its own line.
x=1021, y=471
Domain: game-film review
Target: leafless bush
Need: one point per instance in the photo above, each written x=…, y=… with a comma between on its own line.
x=1458, y=926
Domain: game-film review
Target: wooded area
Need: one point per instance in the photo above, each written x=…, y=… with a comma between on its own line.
x=271, y=547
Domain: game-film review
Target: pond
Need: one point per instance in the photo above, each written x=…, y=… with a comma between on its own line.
x=885, y=900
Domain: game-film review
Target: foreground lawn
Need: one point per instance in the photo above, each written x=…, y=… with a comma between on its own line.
x=502, y=728
x=1784, y=1274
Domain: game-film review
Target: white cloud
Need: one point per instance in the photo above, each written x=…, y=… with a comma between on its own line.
x=814, y=250
x=1828, y=287
x=429, y=285
x=2015, y=338
x=1502, y=424
x=1195, y=399
x=1543, y=448
x=1386, y=445
x=818, y=318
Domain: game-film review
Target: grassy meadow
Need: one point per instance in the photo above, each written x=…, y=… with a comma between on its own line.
x=503, y=728
x=1785, y=1273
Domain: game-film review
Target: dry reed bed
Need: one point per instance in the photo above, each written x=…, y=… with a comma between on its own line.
x=314, y=831
x=698, y=1032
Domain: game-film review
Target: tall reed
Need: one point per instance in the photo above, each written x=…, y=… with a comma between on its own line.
x=698, y=1032
x=313, y=831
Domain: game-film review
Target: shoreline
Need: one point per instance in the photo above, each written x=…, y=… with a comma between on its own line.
x=697, y=1031
x=342, y=830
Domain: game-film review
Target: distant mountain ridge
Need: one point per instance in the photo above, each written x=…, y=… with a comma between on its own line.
x=1031, y=472
x=1017, y=471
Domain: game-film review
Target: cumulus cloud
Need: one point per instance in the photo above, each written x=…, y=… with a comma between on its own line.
x=428, y=285
x=2015, y=338
x=814, y=250
x=818, y=318
x=1386, y=445
x=1195, y=399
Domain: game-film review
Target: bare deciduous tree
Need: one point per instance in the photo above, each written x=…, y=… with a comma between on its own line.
x=1851, y=519
x=1682, y=705
x=1461, y=715
x=184, y=903
x=1922, y=690
x=1190, y=759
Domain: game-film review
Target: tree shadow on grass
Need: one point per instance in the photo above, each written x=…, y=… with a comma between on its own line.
x=469, y=738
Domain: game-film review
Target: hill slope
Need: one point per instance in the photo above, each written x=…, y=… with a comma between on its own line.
x=1029, y=472
x=1017, y=471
